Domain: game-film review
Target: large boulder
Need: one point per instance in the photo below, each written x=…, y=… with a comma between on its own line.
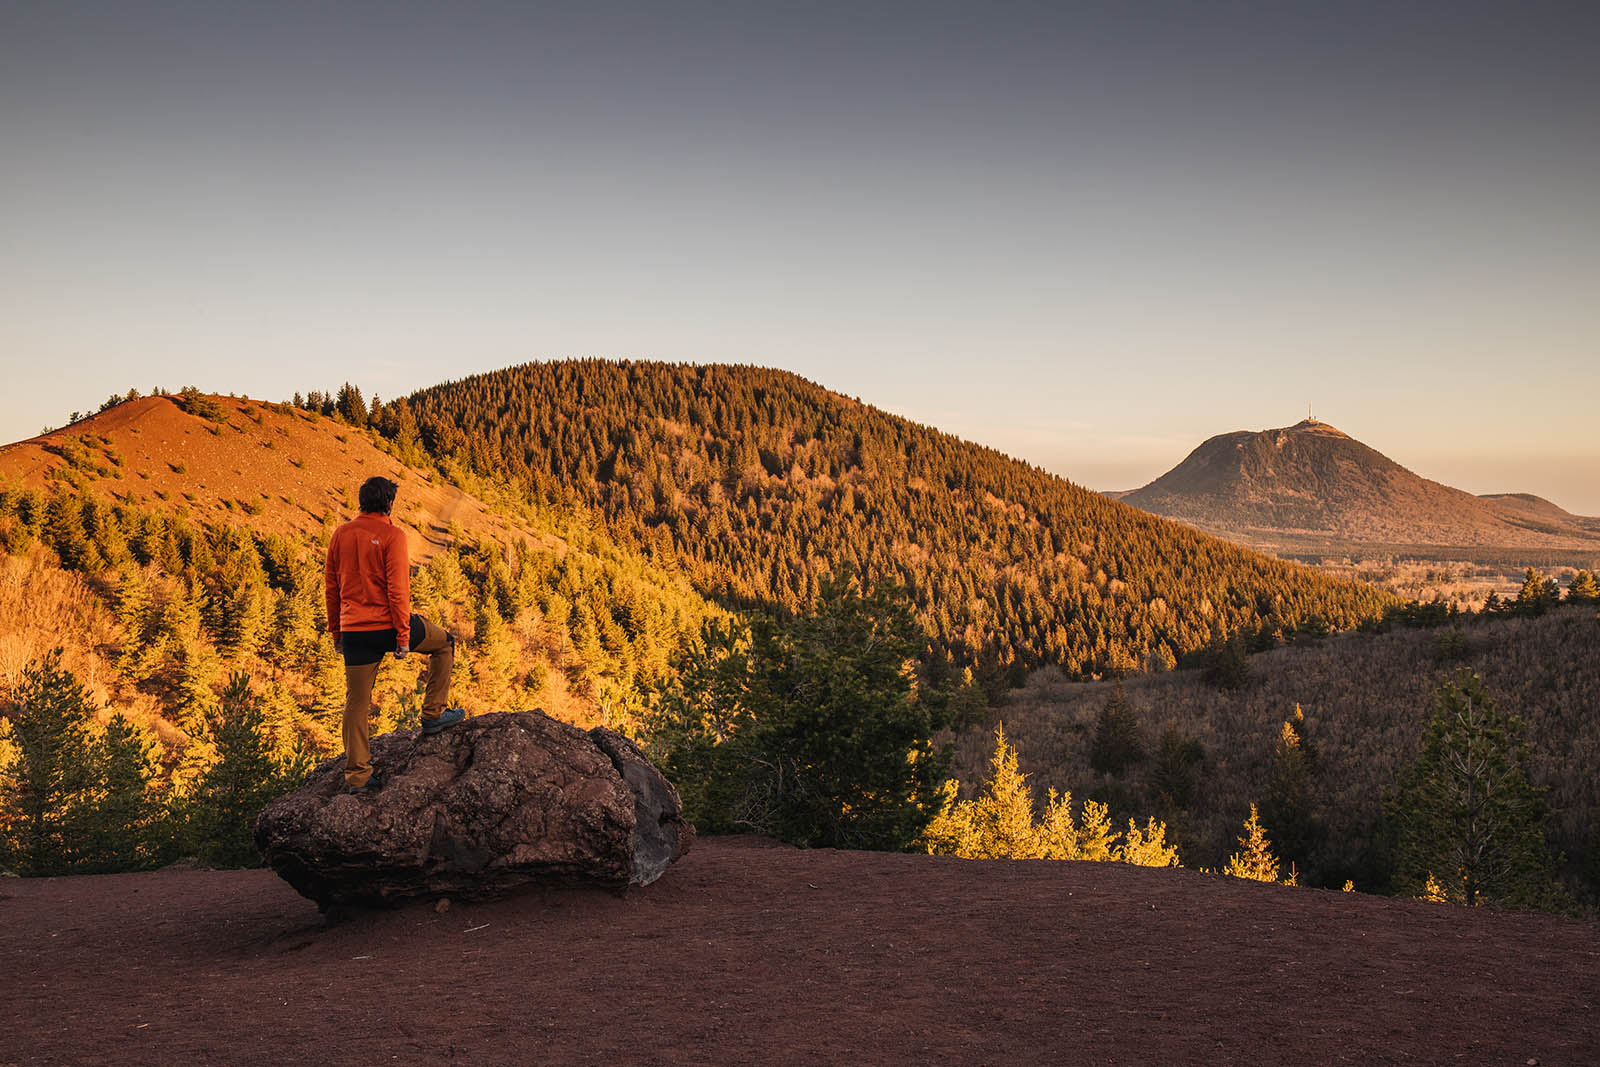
x=496, y=803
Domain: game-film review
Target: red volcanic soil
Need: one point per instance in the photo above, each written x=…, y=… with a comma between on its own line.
x=751, y=953
x=270, y=467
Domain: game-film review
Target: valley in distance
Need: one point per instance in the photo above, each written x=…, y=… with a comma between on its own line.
x=646, y=546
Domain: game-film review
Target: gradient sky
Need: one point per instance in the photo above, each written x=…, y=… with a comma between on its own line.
x=1090, y=235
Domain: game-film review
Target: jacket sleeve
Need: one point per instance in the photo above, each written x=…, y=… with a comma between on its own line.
x=330, y=584
x=398, y=580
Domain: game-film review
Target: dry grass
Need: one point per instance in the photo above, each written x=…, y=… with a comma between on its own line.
x=43, y=607
x=1365, y=699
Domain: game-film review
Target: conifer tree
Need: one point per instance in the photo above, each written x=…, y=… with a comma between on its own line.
x=1003, y=815
x=44, y=803
x=1058, y=831
x=294, y=627
x=1288, y=809
x=1465, y=813
x=132, y=603
x=1175, y=776
x=63, y=532
x=223, y=807
x=1096, y=839
x=328, y=682
x=811, y=730
x=1256, y=860
x=1584, y=588
x=999, y=824
x=1228, y=663
x=244, y=620
x=494, y=653
x=1147, y=847
x=1118, y=741
x=1534, y=598
x=123, y=824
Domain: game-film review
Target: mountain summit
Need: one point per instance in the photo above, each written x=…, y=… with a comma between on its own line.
x=1312, y=481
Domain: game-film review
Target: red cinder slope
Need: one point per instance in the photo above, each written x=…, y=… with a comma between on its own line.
x=268, y=466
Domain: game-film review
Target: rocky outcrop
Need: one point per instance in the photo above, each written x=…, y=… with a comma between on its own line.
x=497, y=803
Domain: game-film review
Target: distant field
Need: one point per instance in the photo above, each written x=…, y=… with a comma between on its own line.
x=1423, y=572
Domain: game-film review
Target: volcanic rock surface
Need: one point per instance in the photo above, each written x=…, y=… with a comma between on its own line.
x=500, y=802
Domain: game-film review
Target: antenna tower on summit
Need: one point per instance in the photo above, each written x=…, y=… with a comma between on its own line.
x=1309, y=416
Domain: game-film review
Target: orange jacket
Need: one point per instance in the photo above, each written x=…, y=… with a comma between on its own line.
x=368, y=577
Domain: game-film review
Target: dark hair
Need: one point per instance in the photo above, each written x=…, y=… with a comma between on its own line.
x=377, y=495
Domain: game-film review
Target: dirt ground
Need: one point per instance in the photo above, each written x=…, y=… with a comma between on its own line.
x=751, y=953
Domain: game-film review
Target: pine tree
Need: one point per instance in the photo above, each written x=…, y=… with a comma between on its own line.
x=294, y=627
x=1256, y=861
x=1466, y=814
x=1175, y=776
x=852, y=751
x=825, y=743
x=1584, y=588
x=1058, y=831
x=1118, y=741
x=350, y=405
x=1534, y=597
x=1097, y=841
x=123, y=828
x=63, y=531
x=1147, y=847
x=231, y=793
x=998, y=824
x=494, y=654
x=44, y=802
x=328, y=686
x=1228, y=664
x=1288, y=808
x=1003, y=816
x=244, y=620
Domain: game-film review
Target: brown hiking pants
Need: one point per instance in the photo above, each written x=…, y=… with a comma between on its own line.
x=358, y=679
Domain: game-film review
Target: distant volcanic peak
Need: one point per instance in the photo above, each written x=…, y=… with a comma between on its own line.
x=1311, y=479
x=1279, y=436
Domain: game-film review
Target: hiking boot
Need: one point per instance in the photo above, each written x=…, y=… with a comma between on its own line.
x=373, y=783
x=448, y=718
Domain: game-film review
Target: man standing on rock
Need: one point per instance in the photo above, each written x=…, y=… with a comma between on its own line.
x=368, y=584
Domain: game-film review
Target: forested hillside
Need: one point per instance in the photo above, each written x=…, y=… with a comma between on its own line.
x=762, y=484
x=171, y=544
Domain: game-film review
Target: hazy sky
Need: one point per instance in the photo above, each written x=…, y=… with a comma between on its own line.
x=1090, y=235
